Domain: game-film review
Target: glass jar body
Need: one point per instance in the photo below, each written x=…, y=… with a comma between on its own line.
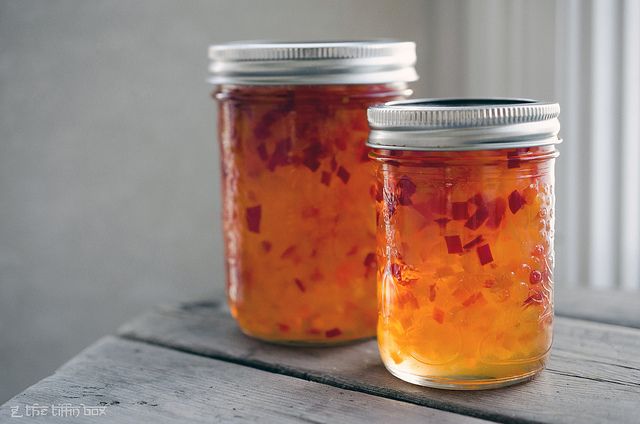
x=297, y=218
x=465, y=274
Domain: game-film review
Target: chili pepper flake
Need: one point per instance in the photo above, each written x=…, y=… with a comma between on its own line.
x=334, y=332
x=288, y=252
x=516, y=201
x=442, y=222
x=280, y=155
x=300, y=285
x=406, y=189
x=343, y=174
x=432, y=292
x=370, y=260
x=472, y=299
x=262, y=152
x=254, y=214
x=438, y=315
x=484, y=254
x=496, y=209
x=473, y=243
x=325, y=178
x=459, y=210
x=454, y=244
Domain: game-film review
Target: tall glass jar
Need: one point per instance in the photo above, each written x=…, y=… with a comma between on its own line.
x=465, y=212
x=298, y=222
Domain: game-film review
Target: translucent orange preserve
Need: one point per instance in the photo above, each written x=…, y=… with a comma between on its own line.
x=465, y=254
x=298, y=219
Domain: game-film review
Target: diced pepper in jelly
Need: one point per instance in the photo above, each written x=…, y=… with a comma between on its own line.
x=474, y=229
x=298, y=214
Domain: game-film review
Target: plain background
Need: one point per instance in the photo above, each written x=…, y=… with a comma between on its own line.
x=109, y=176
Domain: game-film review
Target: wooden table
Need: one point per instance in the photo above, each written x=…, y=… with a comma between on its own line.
x=190, y=363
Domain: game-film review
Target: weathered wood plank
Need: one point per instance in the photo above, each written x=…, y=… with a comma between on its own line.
x=610, y=307
x=593, y=375
x=140, y=383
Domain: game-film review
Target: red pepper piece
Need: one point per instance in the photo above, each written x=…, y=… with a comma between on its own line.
x=480, y=215
x=334, y=332
x=484, y=254
x=472, y=299
x=262, y=151
x=496, y=210
x=442, y=222
x=454, y=244
x=432, y=292
x=489, y=283
x=476, y=241
x=438, y=315
x=283, y=327
x=535, y=277
x=253, y=218
x=288, y=252
x=407, y=298
x=266, y=245
x=406, y=189
x=343, y=174
x=370, y=260
x=459, y=210
x=516, y=201
x=311, y=155
x=280, y=155
x=334, y=163
x=300, y=285
x=325, y=178
x=262, y=129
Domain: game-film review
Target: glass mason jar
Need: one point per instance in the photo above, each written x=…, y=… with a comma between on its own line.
x=298, y=222
x=465, y=214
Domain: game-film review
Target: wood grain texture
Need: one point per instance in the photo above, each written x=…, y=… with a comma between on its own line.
x=140, y=383
x=611, y=307
x=593, y=375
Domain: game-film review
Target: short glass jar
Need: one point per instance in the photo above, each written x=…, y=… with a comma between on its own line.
x=465, y=213
x=298, y=228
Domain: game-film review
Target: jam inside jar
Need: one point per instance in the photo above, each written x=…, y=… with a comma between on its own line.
x=465, y=261
x=297, y=216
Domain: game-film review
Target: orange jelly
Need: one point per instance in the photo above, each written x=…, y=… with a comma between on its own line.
x=297, y=216
x=465, y=259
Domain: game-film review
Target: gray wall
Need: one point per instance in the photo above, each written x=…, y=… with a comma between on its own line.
x=108, y=164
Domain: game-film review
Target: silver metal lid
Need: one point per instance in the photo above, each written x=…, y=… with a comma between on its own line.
x=333, y=62
x=463, y=124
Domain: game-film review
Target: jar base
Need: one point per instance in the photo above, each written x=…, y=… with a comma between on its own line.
x=309, y=343
x=454, y=383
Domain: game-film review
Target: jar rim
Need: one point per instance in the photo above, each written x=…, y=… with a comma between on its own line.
x=312, y=62
x=463, y=124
